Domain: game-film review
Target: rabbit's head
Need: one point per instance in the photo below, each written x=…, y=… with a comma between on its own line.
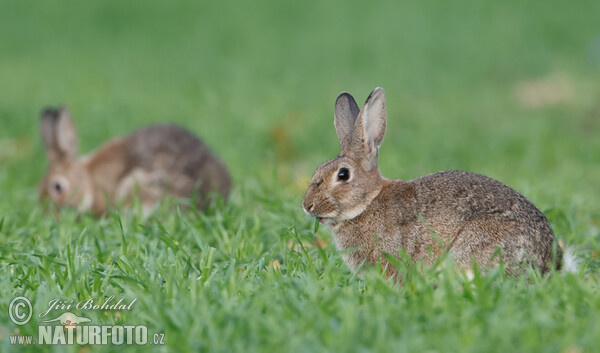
x=67, y=182
x=343, y=187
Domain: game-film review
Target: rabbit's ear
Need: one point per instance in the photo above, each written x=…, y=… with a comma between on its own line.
x=58, y=133
x=370, y=128
x=66, y=135
x=346, y=112
x=48, y=122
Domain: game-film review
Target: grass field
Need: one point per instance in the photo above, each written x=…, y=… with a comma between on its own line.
x=509, y=89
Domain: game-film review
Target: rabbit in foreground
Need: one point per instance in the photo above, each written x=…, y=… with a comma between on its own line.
x=150, y=163
x=466, y=214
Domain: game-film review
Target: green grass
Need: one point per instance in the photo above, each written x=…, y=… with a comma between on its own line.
x=257, y=80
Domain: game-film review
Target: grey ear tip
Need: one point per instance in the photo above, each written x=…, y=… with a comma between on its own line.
x=343, y=95
x=49, y=113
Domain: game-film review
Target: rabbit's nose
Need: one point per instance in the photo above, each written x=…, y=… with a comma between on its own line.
x=308, y=208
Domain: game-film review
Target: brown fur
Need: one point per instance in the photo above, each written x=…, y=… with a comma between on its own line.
x=467, y=214
x=150, y=163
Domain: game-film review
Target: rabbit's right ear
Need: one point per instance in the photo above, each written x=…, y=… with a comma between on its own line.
x=370, y=128
x=346, y=112
x=58, y=133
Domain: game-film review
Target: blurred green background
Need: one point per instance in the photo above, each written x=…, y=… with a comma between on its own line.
x=510, y=89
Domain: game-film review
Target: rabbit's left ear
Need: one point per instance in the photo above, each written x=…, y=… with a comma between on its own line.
x=370, y=128
x=58, y=133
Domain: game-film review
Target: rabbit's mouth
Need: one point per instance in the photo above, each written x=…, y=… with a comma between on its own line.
x=328, y=221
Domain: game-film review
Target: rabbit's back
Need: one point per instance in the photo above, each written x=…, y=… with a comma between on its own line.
x=474, y=215
x=167, y=147
x=469, y=196
x=181, y=159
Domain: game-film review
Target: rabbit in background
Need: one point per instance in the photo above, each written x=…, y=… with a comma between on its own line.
x=464, y=214
x=153, y=162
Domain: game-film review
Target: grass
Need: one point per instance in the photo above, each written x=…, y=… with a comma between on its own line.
x=507, y=89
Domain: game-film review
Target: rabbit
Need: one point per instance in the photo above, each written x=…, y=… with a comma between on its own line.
x=465, y=215
x=150, y=163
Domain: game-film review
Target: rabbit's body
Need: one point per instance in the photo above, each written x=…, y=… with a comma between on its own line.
x=150, y=163
x=468, y=215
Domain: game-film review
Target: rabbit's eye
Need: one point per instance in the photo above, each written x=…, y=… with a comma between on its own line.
x=59, y=185
x=343, y=174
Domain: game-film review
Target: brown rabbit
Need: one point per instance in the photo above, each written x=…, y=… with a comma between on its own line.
x=155, y=161
x=466, y=214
